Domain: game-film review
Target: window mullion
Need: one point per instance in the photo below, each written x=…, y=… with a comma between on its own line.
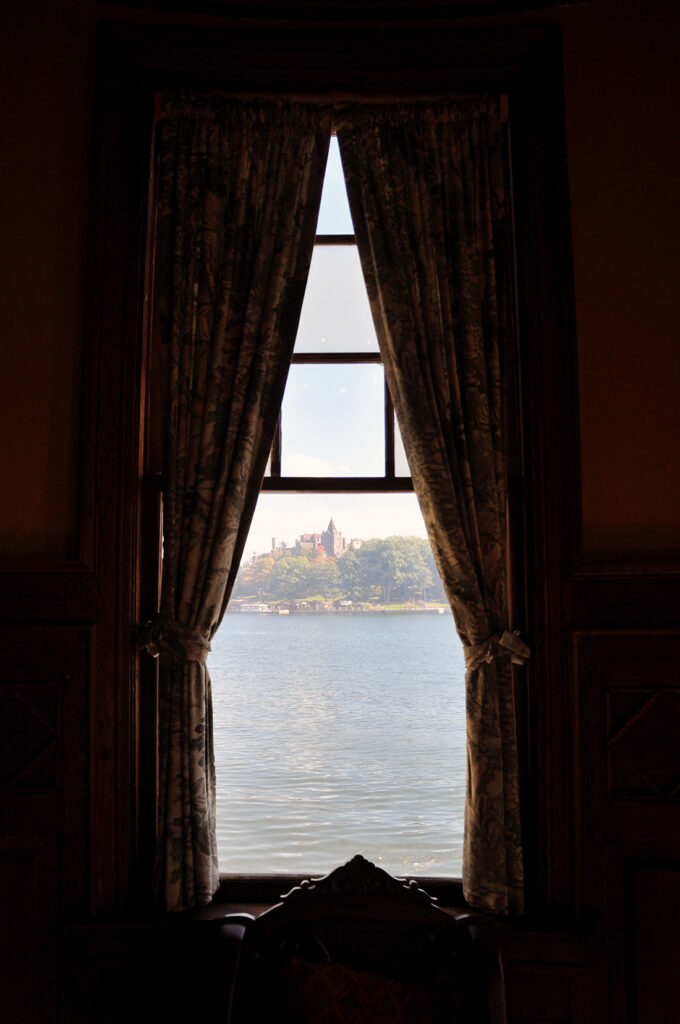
x=337, y=357
x=389, y=435
x=335, y=240
x=338, y=484
x=276, y=451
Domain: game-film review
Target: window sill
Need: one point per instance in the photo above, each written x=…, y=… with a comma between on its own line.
x=265, y=890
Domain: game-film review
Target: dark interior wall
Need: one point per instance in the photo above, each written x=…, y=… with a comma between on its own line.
x=621, y=59
x=61, y=690
x=622, y=94
x=46, y=96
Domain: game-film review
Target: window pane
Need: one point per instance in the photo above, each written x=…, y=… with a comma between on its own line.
x=336, y=316
x=339, y=728
x=334, y=215
x=333, y=421
x=401, y=467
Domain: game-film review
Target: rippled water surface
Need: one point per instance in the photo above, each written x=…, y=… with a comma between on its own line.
x=339, y=734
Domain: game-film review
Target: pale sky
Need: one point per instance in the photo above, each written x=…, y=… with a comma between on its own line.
x=334, y=215
x=332, y=417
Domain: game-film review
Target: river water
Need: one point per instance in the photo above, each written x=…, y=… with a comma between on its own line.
x=338, y=734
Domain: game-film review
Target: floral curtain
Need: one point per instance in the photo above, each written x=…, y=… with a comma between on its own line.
x=427, y=194
x=239, y=188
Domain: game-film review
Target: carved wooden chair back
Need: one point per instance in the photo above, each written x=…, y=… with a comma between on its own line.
x=362, y=945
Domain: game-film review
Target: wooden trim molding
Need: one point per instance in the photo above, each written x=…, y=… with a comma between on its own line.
x=51, y=593
x=626, y=566
x=352, y=11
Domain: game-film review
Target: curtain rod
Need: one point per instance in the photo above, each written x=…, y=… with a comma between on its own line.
x=333, y=98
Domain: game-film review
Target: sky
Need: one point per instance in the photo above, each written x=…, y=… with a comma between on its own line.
x=333, y=416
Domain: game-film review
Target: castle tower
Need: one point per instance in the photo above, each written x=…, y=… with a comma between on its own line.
x=331, y=539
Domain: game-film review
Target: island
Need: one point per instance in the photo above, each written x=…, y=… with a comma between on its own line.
x=322, y=572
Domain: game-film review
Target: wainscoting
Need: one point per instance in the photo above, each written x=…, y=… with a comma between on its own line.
x=627, y=718
x=43, y=808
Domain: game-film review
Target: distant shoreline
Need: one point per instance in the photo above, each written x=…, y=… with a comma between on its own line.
x=436, y=610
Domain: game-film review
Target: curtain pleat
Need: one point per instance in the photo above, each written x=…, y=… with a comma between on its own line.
x=426, y=186
x=239, y=191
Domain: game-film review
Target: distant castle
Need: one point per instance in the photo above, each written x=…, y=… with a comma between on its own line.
x=329, y=544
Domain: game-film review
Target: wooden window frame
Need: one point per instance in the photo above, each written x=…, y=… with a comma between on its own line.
x=324, y=62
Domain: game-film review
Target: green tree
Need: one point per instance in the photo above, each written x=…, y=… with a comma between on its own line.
x=253, y=576
x=385, y=570
x=393, y=569
x=352, y=576
x=385, y=563
x=326, y=580
x=291, y=578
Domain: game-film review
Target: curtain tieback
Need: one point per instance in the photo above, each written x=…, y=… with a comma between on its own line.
x=497, y=645
x=182, y=642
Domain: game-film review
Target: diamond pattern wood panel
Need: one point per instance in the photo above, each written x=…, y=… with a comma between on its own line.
x=43, y=743
x=643, y=745
x=28, y=754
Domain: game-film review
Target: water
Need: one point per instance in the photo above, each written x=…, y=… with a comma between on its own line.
x=339, y=734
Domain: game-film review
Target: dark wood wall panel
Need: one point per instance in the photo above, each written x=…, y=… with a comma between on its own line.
x=552, y=975
x=627, y=717
x=29, y=886
x=535, y=994
x=43, y=820
x=655, y=890
x=627, y=811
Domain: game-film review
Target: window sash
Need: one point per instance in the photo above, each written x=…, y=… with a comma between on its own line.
x=390, y=482
x=275, y=481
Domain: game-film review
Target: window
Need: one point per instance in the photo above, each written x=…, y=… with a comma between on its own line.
x=120, y=483
x=336, y=374
x=338, y=691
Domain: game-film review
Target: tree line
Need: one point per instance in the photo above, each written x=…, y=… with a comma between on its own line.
x=393, y=570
